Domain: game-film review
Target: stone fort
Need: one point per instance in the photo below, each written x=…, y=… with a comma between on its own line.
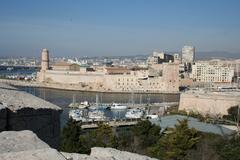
x=156, y=78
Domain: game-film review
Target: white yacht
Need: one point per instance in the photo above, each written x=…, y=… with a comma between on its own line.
x=134, y=113
x=116, y=106
x=152, y=116
x=99, y=107
x=9, y=68
x=96, y=115
x=73, y=105
x=84, y=104
x=78, y=115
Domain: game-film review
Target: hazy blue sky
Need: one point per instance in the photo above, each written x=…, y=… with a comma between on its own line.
x=117, y=27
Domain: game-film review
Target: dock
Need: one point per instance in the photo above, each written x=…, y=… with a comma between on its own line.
x=110, y=123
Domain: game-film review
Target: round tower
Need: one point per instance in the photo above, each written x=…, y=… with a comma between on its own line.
x=45, y=60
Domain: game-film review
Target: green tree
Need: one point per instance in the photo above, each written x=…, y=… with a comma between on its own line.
x=232, y=114
x=145, y=135
x=229, y=149
x=71, y=140
x=175, y=143
x=104, y=136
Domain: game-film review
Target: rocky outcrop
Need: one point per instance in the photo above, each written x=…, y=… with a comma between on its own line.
x=22, y=111
x=115, y=154
x=99, y=153
x=24, y=145
x=39, y=154
x=12, y=141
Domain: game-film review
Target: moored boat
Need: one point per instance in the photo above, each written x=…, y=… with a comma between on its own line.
x=116, y=106
x=134, y=113
x=96, y=115
x=78, y=115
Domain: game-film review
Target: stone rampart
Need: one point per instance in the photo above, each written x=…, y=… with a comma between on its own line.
x=211, y=103
x=21, y=111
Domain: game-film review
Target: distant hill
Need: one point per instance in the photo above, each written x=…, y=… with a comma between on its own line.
x=217, y=54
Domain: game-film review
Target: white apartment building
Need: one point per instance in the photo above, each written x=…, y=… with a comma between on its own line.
x=205, y=72
x=235, y=64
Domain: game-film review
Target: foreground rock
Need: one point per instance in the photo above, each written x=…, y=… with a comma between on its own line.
x=22, y=111
x=25, y=145
x=99, y=153
x=12, y=141
x=116, y=154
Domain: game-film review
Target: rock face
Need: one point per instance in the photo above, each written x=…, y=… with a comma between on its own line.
x=39, y=154
x=25, y=145
x=12, y=141
x=99, y=153
x=115, y=154
x=22, y=111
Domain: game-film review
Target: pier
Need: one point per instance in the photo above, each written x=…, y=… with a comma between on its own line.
x=111, y=123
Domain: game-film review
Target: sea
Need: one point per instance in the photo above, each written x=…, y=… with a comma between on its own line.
x=63, y=98
x=17, y=70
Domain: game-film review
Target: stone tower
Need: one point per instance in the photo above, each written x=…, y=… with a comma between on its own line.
x=45, y=60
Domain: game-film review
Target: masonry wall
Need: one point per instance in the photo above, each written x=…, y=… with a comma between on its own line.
x=99, y=81
x=207, y=103
x=3, y=119
x=68, y=77
x=44, y=122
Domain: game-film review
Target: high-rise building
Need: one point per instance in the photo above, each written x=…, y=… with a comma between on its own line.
x=188, y=54
x=188, y=57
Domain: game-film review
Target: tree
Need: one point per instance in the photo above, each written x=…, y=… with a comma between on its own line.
x=71, y=140
x=145, y=135
x=70, y=137
x=103, y=136
x=176, y=142
x=232, y=114
x=229, y=149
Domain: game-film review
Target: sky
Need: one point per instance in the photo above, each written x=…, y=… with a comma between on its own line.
x=117, y=27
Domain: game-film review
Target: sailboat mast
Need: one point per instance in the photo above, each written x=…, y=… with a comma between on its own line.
x=97, y=99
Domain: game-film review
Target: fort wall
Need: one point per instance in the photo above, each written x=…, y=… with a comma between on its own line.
x=207, y=103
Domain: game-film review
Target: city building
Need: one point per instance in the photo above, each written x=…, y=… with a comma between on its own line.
x=176, y=57
x=235, y=64
x=159, y=57
x=188, y=54
x=157, y=77
x=188, y=57
x=205, y=72
x=64, y=66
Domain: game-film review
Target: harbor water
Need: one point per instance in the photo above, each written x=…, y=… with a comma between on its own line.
x=63, y=98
